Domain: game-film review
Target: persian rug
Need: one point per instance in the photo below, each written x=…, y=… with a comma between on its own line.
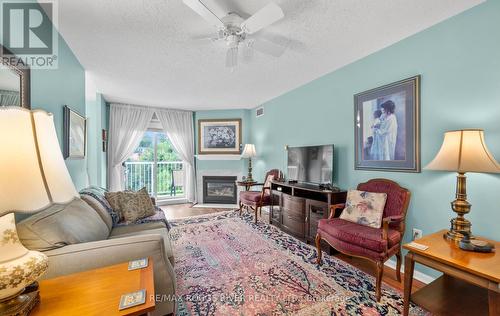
x=227, y=265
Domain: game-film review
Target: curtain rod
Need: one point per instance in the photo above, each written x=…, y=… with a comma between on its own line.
x=148, y=107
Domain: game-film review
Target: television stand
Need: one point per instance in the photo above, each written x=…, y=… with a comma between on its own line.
x=296, y=208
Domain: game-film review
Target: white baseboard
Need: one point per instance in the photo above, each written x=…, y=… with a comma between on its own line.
x=422, y=277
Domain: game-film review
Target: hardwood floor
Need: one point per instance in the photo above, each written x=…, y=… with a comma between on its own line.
x=185, y=210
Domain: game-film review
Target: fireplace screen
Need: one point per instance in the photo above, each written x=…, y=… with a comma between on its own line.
x=221, y=190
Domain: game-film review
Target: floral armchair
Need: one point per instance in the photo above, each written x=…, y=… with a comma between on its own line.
x=374, y=244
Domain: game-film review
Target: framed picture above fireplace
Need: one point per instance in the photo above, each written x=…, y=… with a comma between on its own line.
x=219, y=136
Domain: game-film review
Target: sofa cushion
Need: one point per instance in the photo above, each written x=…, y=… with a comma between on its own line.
x=99, y=208
x=94, y=196
x=146, y=229
x=60, y=225
x=360, y=235
x=127, y=229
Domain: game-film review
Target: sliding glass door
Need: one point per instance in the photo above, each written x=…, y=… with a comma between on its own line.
x=156, y=166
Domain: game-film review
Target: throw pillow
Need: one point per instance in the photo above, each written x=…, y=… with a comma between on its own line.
x=135, y=205
x=113, y=199
x=365, y=208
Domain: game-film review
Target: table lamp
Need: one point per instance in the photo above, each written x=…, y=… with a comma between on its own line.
x=33, y=175
x=463, y=151
x=249, y=152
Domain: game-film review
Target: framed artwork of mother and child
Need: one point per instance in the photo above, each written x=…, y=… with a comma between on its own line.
x=387, y=127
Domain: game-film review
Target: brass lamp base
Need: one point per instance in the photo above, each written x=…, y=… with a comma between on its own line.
x=458, y=225
x=460, y=206
x=249, y=176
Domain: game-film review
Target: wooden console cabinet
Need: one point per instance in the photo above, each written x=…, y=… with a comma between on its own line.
x=296, y=208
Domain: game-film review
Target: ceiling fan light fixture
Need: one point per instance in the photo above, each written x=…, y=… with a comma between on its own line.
x=234, y=30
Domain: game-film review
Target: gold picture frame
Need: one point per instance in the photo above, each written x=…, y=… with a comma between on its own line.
x=219, y=136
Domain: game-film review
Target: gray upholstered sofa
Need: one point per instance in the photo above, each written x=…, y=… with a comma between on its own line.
x=81, y=235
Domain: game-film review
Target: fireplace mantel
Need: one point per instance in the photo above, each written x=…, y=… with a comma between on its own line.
x=218, y=157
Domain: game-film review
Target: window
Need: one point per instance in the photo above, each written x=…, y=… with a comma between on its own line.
x=155, y=165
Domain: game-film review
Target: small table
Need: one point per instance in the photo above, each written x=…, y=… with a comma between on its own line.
x=246, y=184
x=469, y=286
x=96, y=292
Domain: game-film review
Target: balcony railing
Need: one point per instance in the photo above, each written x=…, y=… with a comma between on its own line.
x=163, y=180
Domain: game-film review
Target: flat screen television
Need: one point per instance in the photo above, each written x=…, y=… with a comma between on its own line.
x=311, y=164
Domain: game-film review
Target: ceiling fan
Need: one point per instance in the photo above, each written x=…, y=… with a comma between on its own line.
x=238, y=33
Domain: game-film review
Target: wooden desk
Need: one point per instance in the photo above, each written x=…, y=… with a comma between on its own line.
x=470, y=285
x=96, y=292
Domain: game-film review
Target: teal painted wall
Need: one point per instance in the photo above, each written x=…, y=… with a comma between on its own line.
x=245, y=131
x=459, y=60
x=52, y=89
x=96, y=158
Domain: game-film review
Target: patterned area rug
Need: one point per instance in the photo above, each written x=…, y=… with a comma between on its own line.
x=227, y=265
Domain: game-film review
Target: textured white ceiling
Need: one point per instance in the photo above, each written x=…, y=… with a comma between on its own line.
x=144, y=51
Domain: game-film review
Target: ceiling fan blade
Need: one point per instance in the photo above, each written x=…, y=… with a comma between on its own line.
x=281, y=40
x=200, y=8
x=269, y=48
x=232, y=57
x=264, y=17
x=204, y=38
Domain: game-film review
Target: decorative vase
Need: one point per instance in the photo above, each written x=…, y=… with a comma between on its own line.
x=19, y=267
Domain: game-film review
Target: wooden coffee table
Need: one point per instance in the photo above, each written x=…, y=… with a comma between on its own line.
x=469, y=286
x=96, y=292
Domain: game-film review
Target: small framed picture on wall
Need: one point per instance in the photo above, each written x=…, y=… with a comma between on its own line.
x=75, y=134
x=387, y=127
x=219, y=136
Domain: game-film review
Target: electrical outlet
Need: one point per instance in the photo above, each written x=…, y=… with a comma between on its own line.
x=417, y=233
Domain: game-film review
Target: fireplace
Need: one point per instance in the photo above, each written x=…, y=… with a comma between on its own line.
x=219, y=190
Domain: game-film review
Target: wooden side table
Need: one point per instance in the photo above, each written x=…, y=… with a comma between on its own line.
x=96, y=292
x=246, y=184
x=469, y=286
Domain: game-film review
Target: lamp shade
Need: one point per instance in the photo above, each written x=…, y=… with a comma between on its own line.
x=32, y=170
x=249, y=151
x=464, y=151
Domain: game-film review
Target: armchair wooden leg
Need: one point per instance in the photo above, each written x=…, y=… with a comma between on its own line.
x=256, y=209
x=318, y=247
x=380, y=273
x=398, y=265
x=241, y=206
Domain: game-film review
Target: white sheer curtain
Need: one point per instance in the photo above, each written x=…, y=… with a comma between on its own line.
x=127, y=124
x=178, y=126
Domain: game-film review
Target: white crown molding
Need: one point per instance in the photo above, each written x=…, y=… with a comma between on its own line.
x=218, y=157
